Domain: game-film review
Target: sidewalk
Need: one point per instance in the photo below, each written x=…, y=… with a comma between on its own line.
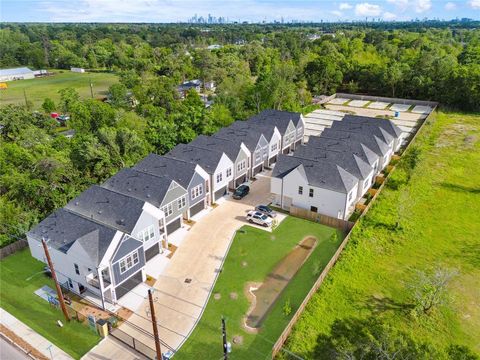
x=110, y=348
x=35, y=340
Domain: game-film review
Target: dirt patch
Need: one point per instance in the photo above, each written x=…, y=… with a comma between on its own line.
x=233, y=296
x=172, y=248
x=450, y=136
x=264, y=295
x=217, y=296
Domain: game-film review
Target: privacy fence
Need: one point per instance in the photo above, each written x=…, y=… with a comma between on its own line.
x=12, y=248
x=277, y=347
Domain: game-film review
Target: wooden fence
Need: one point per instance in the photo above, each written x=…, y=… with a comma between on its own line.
x=277, y=347
x=12, y=248
x=322, y=219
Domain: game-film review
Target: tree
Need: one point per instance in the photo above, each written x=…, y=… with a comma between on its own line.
x=118, y=95
x=371, y=339
x=68, y=97
x=48, y=105
x=429, y=289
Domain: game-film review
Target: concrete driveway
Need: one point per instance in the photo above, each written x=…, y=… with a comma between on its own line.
x=184, y=286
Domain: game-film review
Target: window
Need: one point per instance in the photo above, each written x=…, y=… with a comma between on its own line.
x=300, y=190
x=310, y=193
x=182, y=202
x=241, y=165
x=146, y=234
x=219, y=177
x=258, y=156
x=128, y=262
x=350, y=196
x=229, y=172
x=196, y=191
x=70, y=283
x=77, y=270
x=274, y=147
x=313, y=209
x=168, y=209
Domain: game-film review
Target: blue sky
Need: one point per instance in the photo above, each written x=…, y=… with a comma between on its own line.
x=249, y=10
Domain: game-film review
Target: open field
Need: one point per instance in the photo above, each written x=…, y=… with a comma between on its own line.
x=437, y=214
x=18, y=298
x=253, y=255
x=39, y=89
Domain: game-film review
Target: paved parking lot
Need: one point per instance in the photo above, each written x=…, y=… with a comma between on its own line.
x=184, y=286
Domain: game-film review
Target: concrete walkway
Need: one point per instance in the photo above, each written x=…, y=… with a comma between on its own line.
x=110, y=348
x=183, y=288
x=27, y=334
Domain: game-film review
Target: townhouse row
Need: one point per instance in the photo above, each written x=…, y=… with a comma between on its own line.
x=102, y=240
x=333, y=171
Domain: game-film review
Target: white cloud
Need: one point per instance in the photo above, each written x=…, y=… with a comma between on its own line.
x=366, y=9
x=389, y=16
x=345, y=6
x=422, y=5
x=400, y=4
x=336, y=13
x=450, y=6
x=474, y=4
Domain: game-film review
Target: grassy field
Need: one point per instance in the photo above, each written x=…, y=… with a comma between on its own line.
x=261, y=251
x=437, y=210
x=18, y=298
x=39, y=89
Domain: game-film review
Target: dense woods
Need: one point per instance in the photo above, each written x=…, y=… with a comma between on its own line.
x=256, y=67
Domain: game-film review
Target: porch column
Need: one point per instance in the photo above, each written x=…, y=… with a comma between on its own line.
x=100, y=283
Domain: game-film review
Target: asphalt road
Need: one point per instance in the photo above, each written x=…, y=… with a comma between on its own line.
x=10, y=352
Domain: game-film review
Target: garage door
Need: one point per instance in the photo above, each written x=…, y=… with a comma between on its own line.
x=257, y=170
x=273, y=160
x=195, y=209
x=220, y=193
x=151, y=252
x=128, y=285
x=240, y=180
x=174, y=225
x=286, y=151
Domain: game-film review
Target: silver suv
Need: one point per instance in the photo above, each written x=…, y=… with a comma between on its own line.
x=258, y=218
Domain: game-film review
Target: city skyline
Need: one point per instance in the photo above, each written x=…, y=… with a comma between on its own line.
x=257, y=11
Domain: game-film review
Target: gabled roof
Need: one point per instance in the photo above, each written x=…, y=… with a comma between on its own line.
x=179, y=170
x=348, y=161
x=63, y=228
x=107, y=207
x=146, y=187
x=373, y=142
x=15, y=71
x=351, y=147
x=385, y=124
x=265, y=128
x=321, y=174
x=363, y=129
x=208, y=159
x=249, y=136
x=278, y=118
x=229, y=147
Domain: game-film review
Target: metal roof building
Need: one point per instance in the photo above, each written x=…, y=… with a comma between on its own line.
x=20, y=73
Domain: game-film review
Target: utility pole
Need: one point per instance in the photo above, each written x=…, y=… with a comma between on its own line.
x=224, y=334
x=26, y=100
x=154, y=324
x=54, y=277
x=91, y=88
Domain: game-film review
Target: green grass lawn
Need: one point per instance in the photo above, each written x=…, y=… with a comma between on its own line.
x=438, y=212
x=260, y=250
x=18, y=299
x=40, y=88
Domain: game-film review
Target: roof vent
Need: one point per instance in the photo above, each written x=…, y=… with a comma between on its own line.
x=100, y=212
x=129, y=189
x=76, y=203
x=148, y=195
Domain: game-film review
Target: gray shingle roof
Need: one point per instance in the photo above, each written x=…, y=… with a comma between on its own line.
x=351, y=147
x=229, y=147
x=348, y=161
x=265, y=128
x=321, y=174
x=373, y=142
x=143, y=186
x=108, y=207
x=179, y=170
x=208, y=159
x=385, y=124
x=363, y=129
x=63, y=228
x=249, y=136
x=277, y=117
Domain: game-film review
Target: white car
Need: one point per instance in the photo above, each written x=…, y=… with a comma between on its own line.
x=258, y=218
